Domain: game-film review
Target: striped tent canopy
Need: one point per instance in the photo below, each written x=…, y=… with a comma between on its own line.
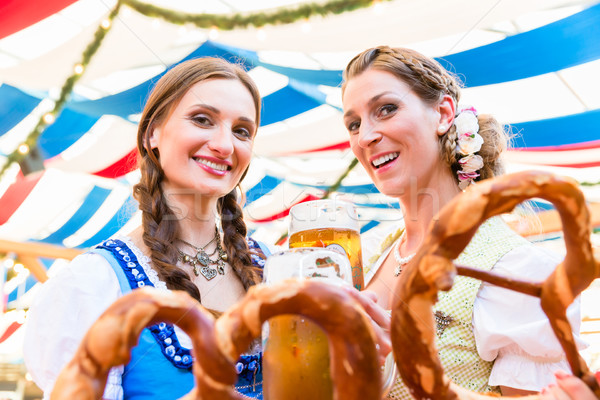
x=533, y=65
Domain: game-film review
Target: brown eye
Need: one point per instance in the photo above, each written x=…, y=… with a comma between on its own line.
x=201, y=120
x=243, y=133
x=353, y=126
x=386, y=110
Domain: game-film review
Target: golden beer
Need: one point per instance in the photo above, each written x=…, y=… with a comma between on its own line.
x=343, y=240
x=296, y=355
x=296, y=361
x=296, y=352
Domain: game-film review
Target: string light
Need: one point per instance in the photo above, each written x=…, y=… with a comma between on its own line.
x=213, y=21
x=9, y=262
x=49, y=118
x=18, y=154
x=23, y=149
x=18, y=268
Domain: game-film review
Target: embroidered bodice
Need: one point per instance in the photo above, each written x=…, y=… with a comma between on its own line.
x=139, y=273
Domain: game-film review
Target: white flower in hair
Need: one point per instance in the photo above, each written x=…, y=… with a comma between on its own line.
x=468, y=142
x=466, y=121
x=471, y=163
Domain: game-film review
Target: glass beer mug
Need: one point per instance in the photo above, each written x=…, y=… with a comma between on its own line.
x=332, y=224
x=296, y=351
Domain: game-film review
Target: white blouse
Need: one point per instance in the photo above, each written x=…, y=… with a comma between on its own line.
x=509, y=327
x=75, y=298
x=512, y=328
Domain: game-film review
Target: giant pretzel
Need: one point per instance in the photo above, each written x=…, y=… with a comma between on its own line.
x=432, y=269
x=217, y=345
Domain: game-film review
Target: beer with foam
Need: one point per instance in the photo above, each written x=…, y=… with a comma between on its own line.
x=296, y=351
x=332, y=224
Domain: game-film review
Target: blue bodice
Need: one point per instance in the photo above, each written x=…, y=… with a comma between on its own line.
x=160, y=367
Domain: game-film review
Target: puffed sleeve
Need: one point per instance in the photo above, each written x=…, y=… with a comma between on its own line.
x=512, y=329
x=63, y=310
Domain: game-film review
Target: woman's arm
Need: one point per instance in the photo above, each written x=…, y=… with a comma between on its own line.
x=508, y=391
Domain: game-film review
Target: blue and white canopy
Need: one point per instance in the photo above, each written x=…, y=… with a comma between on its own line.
x=534, y=65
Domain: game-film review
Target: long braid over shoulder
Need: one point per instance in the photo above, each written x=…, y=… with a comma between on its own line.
x=160, y=229
x=159, y=222
x=234, y=239
x=430, y=81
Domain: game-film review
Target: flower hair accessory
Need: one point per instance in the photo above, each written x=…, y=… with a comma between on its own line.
x=468, y=142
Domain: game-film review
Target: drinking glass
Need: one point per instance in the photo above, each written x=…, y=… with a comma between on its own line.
x=332, y=224
x=296, y=362
x=295, y=350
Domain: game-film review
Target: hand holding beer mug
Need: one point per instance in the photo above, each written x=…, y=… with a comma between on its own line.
x=332, y=224
x=296, y=354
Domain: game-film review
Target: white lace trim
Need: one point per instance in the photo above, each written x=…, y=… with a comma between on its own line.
x=114, y=386
x=144, y=262
x=523, y=371
x=515, y=353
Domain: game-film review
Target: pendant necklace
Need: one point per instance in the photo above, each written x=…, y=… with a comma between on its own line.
x=402, y=261
x=202, y=262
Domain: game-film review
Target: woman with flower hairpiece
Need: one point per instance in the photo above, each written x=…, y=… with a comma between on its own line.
x=195, y=141
x=419, y=146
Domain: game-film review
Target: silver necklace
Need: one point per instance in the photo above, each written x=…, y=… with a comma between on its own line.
x=201, y=261
x=402, y=261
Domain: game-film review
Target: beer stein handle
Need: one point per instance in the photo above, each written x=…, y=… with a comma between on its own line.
x=389, y=374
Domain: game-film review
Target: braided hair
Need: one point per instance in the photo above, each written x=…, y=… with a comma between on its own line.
x=159, y=222
x=430, y=81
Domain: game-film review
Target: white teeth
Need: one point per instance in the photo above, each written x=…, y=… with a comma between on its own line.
x=377, y=162
x=218, y=167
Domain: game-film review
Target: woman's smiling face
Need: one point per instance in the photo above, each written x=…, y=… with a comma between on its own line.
x=205, y=143
x=393, y=133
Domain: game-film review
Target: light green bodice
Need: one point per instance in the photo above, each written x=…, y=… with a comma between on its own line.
x=455, y=341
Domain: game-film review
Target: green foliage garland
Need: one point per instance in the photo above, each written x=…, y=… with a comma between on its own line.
x=228, y=22
x=279, y=16
x=338, y=183
x=90, y=50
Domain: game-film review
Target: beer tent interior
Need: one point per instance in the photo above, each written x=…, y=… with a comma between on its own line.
x=68, y=162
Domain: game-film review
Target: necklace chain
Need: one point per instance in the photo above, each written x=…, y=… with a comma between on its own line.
x=402, y=261
x=203, y=247
x=201, y=261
